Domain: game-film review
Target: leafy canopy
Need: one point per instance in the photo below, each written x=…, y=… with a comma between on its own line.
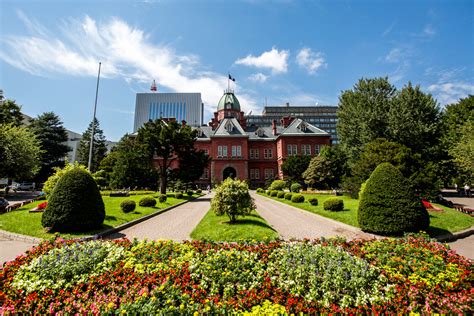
x=294, y=166
x=99, y=149
x=232, y=198
x=10, y=113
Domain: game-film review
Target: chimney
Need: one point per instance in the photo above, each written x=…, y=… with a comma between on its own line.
x=274, y=127
x=285, y=121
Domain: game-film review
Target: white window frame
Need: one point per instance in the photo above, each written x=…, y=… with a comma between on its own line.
x=236, y=151
x=306, y=150
x=254, y=153
x=221, y=151
x=268, y=153
x=292, y=150
x=269, y=174
x=317, y=149
x=257, y=174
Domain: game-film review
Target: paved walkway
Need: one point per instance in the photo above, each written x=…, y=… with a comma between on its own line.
x=10, y=249
x=176, y=224
x=292, y=222
x=464, y=246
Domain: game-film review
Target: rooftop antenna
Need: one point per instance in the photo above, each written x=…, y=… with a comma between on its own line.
x=265, y=101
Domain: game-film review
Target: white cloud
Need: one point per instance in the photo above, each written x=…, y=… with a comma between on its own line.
x=309, y=60
x=429, y=31
x=394, y=55
x=388, y=29
x=275, y=60
x=125, y=52
x=450, y=92
x=258, y=77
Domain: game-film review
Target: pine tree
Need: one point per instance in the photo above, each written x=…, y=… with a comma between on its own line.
x=52, y=135
x=99, y=149
x=10, y=113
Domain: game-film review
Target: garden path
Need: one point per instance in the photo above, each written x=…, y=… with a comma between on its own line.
x=10, y=249
x=292, y=222
x=176, y=224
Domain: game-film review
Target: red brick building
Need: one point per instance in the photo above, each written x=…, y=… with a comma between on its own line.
x=253, y=153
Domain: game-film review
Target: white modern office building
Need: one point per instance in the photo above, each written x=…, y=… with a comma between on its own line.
x=180, y=106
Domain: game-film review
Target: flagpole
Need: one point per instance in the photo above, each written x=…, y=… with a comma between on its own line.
x=89, y=165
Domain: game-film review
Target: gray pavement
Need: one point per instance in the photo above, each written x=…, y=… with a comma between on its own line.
x=292, y=222
x=464, y=246
x=10, y=249
x=176, y=224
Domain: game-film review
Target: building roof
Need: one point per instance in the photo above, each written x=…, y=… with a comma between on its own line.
x=298, y=127
x=229, y=127
x=228, y=102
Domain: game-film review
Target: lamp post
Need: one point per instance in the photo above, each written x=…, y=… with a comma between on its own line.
x=89, y=165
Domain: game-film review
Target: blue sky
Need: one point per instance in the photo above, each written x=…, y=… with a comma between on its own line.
x=302, y=52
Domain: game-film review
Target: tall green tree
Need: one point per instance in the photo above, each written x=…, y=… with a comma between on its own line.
x=99, y=149
x=191, y=165
x=362, y=113
x=294, y=166
x=20, y=152
x=463, y=150
x=132, y=168
x=166, y=142
x=233, y=199
x=10, y=112
x=326, y=170
x=52, y=136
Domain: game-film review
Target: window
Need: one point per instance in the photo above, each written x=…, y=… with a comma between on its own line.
x=221, y=151
x=316, y=149
x=206, y=151
x=229, y=127
x=236, y=151
x=254, y=154
x=267, y=153
x=292, y=150
x=268, y=174
x=254, y=173
x=306, y=150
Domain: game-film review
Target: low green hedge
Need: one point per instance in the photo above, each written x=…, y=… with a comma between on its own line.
x=288, y=196
x=313, y=201
x=273, y=193
x=260, y=190
x=296, y=188
x=333, y=205
x=147, y=201
x=297, y=198
x=280, y=194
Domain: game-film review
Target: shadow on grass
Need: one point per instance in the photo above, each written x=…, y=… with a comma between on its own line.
x=247, y=221
x=110, y=218
x=435, y=231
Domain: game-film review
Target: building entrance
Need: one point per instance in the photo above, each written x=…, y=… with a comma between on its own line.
x=229, y=172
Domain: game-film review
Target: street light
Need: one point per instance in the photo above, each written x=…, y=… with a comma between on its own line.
x=93, y=122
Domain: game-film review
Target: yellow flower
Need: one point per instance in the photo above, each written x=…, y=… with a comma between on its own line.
x=208, y=308
x=196, y=314
x=111, y=305
x=181, y=306
x=123, y=311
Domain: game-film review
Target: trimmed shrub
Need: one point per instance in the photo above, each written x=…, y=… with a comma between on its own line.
x=288, y=196
x=278, y=185
x=388, y=205
x=296, y=187
x=75, y=203
x=162, y=198
x=260, y=190
x=170, y=194
x=127, y=206
x=147, y=201
x=267, y=192
x=190, y=193
x=119, y=194
x=273, y=192
x=198, y=191
x=280, y=194
x=297, y=198
x=178, y=195
x=313, y=201
x=333, y=205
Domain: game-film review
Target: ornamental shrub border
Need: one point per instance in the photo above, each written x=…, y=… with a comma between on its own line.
x=388, y=276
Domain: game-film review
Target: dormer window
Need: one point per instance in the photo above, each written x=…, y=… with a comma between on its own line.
x=229, y=127
x=199, y=132
x=228, y=106
x=260, y=132
x=303, y=126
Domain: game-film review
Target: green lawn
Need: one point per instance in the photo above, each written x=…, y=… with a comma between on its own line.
x=449, y=221
x=22, y=222
x=218, y=228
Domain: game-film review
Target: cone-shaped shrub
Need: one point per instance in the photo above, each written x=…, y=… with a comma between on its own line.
x=75, y=204
x=388, y=205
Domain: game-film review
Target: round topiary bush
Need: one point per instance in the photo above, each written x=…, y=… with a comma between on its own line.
x=296, y=187
x=333, y=205
x=313, y=201
x=273, y=193
x=162, y=198
x=260, y=190
x=198, y=191
x=388, y=205
x=267, y=192
x=297, y=198
x=190, y=193
x=280, y=194
x=278, y=185
x=170, y=194
x=75, y=204
x=178, y=195
x=127, y=206
x=288, y=196
x=147, y=201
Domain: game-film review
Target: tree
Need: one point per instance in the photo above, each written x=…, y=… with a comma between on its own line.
x=132, y=166
x=388, y=205
x=463, y=150
x=10, y=113
x=191, y=165
x=167, y=141
x=75, y=204
x=20, y=152
x=294, y=166
x=59, y=172
x=233, y=199
x=99, y=149
x=52, y=135
x=327, y=169
x=362, y=114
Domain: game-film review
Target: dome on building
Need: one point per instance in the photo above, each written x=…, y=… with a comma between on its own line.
x=228, y=102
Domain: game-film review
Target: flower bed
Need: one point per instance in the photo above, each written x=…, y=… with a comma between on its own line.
x=406, y=275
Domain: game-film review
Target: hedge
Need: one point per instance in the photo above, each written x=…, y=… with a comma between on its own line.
x=333, y=205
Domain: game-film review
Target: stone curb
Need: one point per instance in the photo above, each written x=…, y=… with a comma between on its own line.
x=20, y=237
x=455, y=236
